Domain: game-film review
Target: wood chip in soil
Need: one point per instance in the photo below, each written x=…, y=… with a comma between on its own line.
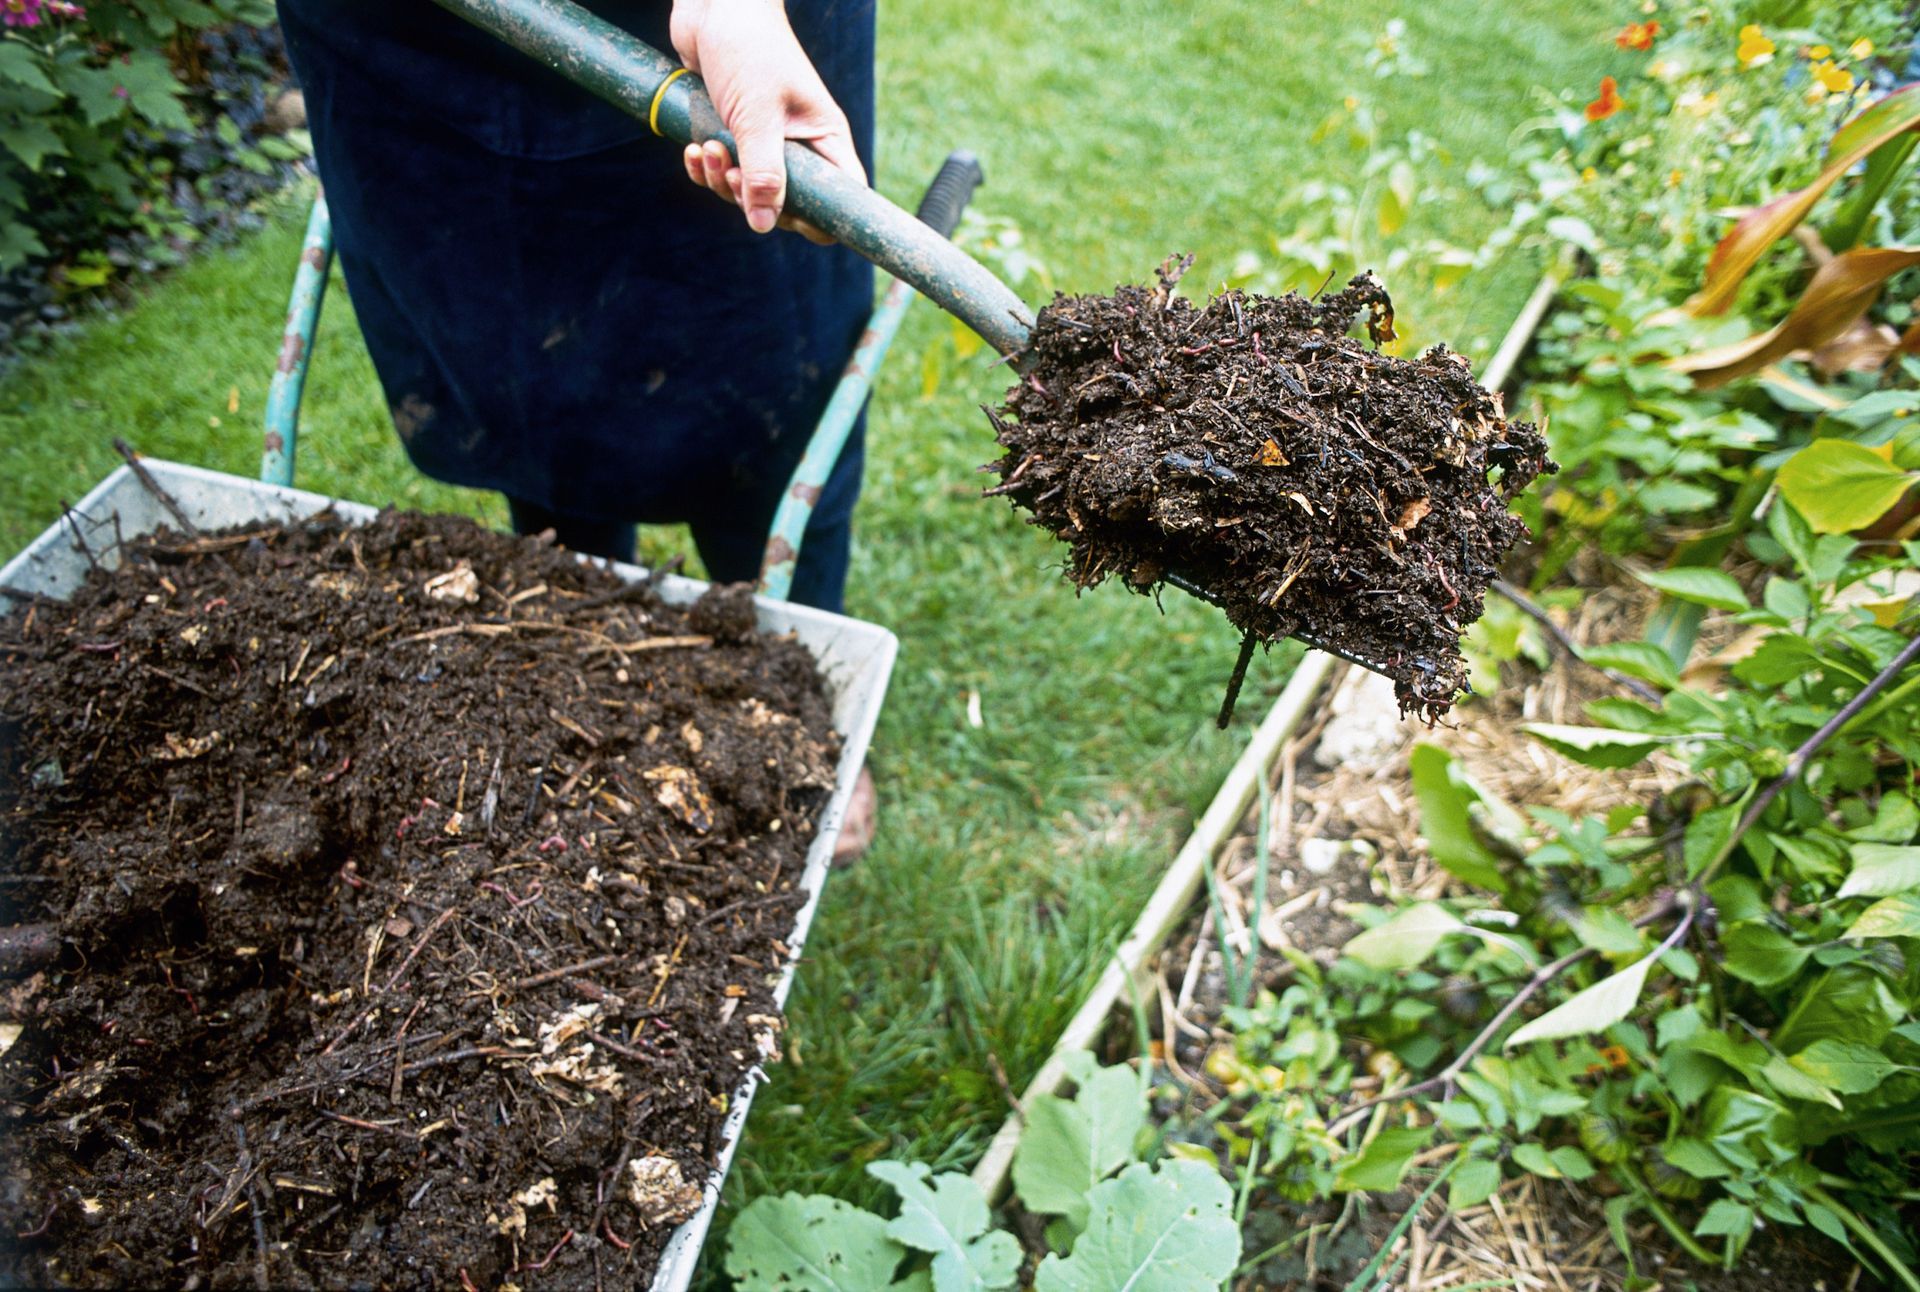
x=416, y=896
x=1305, y=482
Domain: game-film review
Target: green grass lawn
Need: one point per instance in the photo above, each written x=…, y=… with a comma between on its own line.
x=1011, y=855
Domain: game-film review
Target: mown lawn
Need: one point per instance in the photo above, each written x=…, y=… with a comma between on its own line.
x=1012, y=854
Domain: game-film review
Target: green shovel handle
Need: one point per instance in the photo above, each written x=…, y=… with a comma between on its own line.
x=639, y=79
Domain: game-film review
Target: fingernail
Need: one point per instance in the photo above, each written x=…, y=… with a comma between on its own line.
x=761, y=219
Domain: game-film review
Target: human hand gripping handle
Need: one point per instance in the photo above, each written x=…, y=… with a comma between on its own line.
x=767, y=92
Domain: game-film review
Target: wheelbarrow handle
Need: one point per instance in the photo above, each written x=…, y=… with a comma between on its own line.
x=639, y=79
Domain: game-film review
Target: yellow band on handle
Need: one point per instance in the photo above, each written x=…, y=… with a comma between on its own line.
x=653, y=109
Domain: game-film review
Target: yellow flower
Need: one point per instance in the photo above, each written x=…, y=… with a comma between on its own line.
x=1674, y=177
x=1819, y=51
x=1755, y=48
x=1836, y=80
x=1589, y=175
x=1862, y=48
x=1696, y=103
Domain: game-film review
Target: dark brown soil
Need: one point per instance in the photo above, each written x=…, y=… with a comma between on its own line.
x=419, y=893
x=1306, y=483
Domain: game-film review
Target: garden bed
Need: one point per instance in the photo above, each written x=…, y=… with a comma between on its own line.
x=1343, y=833
x=419, y=898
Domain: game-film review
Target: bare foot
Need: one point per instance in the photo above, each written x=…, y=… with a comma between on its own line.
x=857, y=827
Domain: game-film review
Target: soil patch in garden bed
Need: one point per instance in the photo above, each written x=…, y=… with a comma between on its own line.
x=418, y=895
x=1303, y=480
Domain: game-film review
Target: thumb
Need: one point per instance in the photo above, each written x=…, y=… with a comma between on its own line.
x=760, y=146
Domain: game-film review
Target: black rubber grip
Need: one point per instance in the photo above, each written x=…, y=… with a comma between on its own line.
x=950, y=192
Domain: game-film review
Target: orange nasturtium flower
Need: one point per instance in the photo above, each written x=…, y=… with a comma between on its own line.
x=1755, y=48
x=1637, y=35
x=1609, y=101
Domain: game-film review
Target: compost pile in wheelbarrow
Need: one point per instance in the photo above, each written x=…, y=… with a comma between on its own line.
x=416, y=894
x=1303, y=480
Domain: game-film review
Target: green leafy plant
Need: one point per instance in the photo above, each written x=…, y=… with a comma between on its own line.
x=1115, y=1220
x=91, y=101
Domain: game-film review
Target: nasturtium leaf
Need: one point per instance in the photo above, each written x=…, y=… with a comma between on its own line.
x=1592, y=1010
x=1593, y=746
x=795, y=1243
x=1761, y=954
x=947, y=1216
x=1383, y=1162
x=1446, y=819
x=1698, y=584
x=1169, y=1230
x=1890, y=917
x=1404, y=940
x=1643, y=660
x=1070, y=1145
x=1881, y=870
x=1794, y=1083
x=1844, y=1066
x=1840, y=485
x=1472, y=1183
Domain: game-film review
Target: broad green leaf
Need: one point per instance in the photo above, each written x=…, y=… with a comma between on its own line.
x=1593, y=746
x=1895, y=820
x=1839, y=292
x=1473, y=1182
x=1070, y=1145
x=1446, y=819
x=1841, y=486
x=1535, y=1158
x=1573, y=1164
x=1706, y=837
x=948, y=1218
x=1405, y=940
x=1593, y=1010
x=795, y=1243
x=1725, y=1216
x=1643, y=660
x=1383, y=1162
x=1698, y=584
x=1761, y=954
x=1169, y=1230
x=31, y=140
x=1846, y=1003
x=20, y=65
x=1794, y=1083
x=1608, y=932
x=154, y=91
x=1740, y=250
x=1881, y=870
x=1844, y=1066
x=93, y=90
x=1890, y=917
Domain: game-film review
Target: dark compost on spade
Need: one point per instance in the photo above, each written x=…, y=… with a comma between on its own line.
x=419, y=893
x=1305, y=481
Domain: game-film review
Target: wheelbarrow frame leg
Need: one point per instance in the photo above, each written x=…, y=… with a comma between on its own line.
x=282, y=432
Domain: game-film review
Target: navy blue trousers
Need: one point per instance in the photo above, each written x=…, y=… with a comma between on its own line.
x=554, y=311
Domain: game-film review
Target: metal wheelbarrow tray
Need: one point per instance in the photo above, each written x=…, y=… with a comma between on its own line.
x=854, y=659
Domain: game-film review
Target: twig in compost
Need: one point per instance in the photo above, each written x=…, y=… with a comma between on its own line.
x=554, y=975
x=419, y=945
x=533, y=795
x=160, y=495
x=249, y=1175
x=1797, y=763
x=25, y=948
x=624, y=1051
x=745, y=904
x=1532, y=609
x=68, y=513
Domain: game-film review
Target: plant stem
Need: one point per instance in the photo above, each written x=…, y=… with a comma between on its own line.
x=1797, y=764
x=1864, y=1232
x=1854, y=1186
x=1658, y=1210
x=1533, y=611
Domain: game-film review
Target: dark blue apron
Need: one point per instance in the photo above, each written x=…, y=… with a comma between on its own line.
x=554, y=311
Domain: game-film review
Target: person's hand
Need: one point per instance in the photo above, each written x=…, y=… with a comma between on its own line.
x=767, y=92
